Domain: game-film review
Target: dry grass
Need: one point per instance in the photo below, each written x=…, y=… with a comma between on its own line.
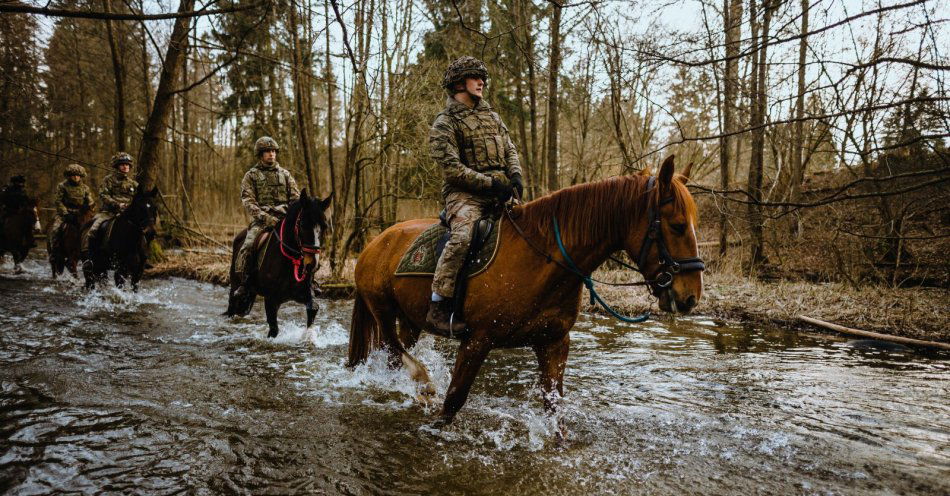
x=920, y=313
x=204, y=266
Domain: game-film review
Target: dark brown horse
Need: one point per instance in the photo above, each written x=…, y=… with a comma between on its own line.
x=285, y=263
x=121, y=243
x=542, y=296
x=63, y=246
x=16, y=231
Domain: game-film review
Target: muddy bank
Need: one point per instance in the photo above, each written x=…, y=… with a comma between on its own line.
x=920, y=313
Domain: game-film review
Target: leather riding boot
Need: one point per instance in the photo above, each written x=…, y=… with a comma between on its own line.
x=440, y=313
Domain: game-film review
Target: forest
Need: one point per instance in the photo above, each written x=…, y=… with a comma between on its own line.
x=818, y=130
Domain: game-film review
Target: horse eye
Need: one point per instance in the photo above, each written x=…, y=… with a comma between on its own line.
x=678, y=228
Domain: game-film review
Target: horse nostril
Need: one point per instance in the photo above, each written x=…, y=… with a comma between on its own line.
x=690, y=303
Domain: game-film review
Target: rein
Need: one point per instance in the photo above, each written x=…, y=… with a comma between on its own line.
x=295, y=255
x=668, y=265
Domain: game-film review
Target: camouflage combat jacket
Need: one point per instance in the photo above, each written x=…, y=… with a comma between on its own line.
x=267, y=186
x=468, y=143
x=71, y=197
x=116, y=189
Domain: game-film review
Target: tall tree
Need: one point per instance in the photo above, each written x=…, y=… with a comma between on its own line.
x=118, y=70
x=554, y=70
x=732, y=24
x=155, y=127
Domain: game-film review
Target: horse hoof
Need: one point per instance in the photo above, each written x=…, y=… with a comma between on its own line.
x=426, y=395
x=272, y=334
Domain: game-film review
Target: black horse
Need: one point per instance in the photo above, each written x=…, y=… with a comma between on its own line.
x=282, y=268
x=121, y=243
x=16, y=231
x=63, y=246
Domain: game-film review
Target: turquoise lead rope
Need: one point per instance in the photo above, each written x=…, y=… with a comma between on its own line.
x=589, y=282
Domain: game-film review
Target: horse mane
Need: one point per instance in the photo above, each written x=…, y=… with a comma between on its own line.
x=588, y=213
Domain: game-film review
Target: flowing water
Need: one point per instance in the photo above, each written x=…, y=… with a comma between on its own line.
x=154, y=392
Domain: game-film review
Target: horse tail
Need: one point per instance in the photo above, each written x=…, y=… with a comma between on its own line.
x=364, y=335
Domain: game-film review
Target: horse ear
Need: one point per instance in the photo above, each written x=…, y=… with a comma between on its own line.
x=686, y=171
x=666, y=171
x=303, y=194
x=325, y=204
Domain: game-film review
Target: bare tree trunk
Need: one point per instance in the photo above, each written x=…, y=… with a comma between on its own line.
x=335, y=269
x=155, y=127
x=186, y=140
x=797, y=174
x=119, y=75
x=303, y=131
x=732, y=23
x=553, y=75
x=757, y=160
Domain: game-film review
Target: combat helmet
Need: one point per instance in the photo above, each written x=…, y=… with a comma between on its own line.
x=121, y=158
x=74, y=170
x=265, y=143
x=463, y=67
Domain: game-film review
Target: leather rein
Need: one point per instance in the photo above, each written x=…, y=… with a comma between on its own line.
x=669, y=266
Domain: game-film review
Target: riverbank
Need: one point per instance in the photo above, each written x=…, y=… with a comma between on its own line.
x=920, y=313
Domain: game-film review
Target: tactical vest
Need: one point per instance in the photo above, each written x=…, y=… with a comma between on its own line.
x=120, y=187
x=271, y=186
x=74, y=195
x=481, y=140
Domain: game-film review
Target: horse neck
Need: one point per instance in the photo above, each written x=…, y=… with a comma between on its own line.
x=591, y=238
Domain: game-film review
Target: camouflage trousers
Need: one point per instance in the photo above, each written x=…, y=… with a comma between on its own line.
x=462, y=210
x=240, y=261
x=96, y=224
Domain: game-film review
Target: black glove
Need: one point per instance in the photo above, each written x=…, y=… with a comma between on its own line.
x=518, y=184
x=501, y=190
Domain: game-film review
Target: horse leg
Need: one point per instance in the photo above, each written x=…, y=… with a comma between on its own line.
x=552, y=359
x=468, y=361
x=311, y=307
x=386, y=323
x=271, y=305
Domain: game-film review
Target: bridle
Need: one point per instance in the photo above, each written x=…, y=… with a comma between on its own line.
x=297, y=255
x=669, y=266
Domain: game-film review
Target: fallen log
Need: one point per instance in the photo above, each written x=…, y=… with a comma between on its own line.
x=873, y=335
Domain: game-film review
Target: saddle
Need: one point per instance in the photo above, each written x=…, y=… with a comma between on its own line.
x=423, y=254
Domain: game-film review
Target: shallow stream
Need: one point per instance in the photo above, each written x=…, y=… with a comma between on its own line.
x=155, y=392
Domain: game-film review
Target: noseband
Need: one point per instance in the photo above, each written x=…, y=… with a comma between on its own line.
x=669, y=266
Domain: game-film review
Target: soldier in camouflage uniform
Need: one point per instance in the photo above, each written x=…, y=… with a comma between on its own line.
x=115, y=194
x=266, y=190
x=481, y=169
x=71, y=196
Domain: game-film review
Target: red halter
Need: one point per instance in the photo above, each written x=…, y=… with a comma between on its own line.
x=300, y=266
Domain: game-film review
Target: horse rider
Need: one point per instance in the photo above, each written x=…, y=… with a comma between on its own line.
x=115, y=195
x=266, y=190
x=72, y=195
x=480, y=168
x=14, y=195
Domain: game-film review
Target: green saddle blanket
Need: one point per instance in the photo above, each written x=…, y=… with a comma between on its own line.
x=421, y=257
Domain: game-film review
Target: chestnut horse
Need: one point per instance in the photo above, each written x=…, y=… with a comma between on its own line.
x=63, y=246
x=542, y=296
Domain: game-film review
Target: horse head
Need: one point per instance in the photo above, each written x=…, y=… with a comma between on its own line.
x=312, y=222
x=665, y=245
x=142, y=212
